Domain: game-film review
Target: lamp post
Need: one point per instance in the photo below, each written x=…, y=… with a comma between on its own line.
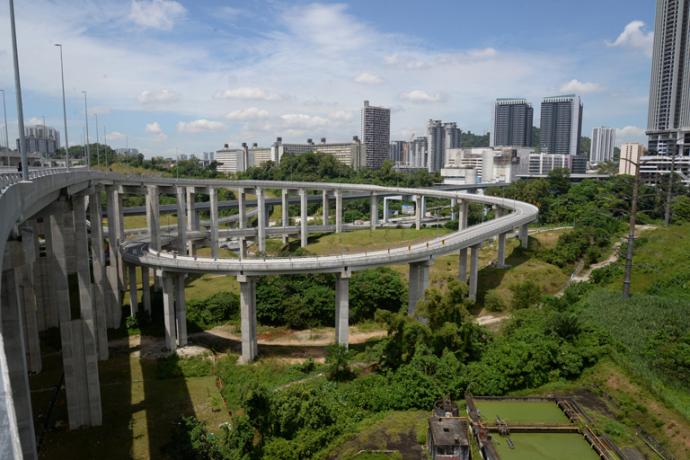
x=20, y=109
x=4, y=114
x=98, y=151
x=64, y=106
x=86, y=119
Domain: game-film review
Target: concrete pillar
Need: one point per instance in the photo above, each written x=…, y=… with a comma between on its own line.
x=15, y=353
x=261, y=220
x=338, y=211
x=453, y=206
x=524, y=236
x=423, y=206
x=169, y=311
x=303, y=222
x=462, y=272
x=242, y=220
x=80, y=364
x=374, y=211
x=181, y=220
x=418, y=211
x=181, y=310
x=248, y=318
x=213, y=231
x=60, y=233
x=146, y=290
x=133, y=302
x=27, y=300
x=342, y=308
x=153, y=218
x=285, y=212
x=192, y=218
x=385, y=210
x=474, y=271
x=324, y=207
x=81, y=242
x=418, y=283
x=501, y=251
x=43, y=288
x=464, y=212
x=112, y=271
x=101, y=288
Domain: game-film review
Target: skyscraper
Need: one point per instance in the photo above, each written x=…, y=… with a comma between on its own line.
x=440, y=136
x=376, y=133
x=513, y=119
x=603, y=142
x=668, y=123
x=561, y=124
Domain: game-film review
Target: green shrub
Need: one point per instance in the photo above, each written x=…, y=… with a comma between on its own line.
x=493, y=301
x=525, y=294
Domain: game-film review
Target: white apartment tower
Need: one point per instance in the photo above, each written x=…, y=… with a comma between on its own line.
x=603, y=143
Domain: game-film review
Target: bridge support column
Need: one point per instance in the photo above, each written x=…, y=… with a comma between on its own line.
x=192, y=218
x=181, y=220
x=250, y=347
x=423, y=206
x=213, y=231
x=374, y=211
x=133, y=302
x=453, y=206
x=338, y=211
x=342, y=308
x=100, y=283
x=113, y=270
x=474, y=272
x=261, y=220
x=60, y=233
x=462, y=271
x=303, y=218
x=418, y=211
x=242, y=220
x=285, y=212
x=324, y=207
x=146, y=290
x=524, y=236
x=14, y=350
x=27, y=300
x=418, y=282
x=81, y=241
x=181, y=310
x=501, y=251
x=385, y=210
x=464, y=212
x=169, y=311
x=153, y=216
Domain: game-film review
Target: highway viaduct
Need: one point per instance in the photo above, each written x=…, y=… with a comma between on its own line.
x=47, y=237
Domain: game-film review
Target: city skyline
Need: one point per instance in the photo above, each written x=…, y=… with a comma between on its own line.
x=202, y=75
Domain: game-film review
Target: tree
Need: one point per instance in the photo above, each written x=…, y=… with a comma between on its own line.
x=370, y=290
x=681, y=208
x=338, y=364
x=525, y=294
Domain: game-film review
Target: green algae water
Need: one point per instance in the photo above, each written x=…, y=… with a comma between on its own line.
x=544, y=446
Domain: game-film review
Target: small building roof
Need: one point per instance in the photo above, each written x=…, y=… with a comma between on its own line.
x=448, y=431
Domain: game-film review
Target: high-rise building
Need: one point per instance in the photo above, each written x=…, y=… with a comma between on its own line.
x=40, y=139
x=440, y=137
x=630, y=158
x=561, y=125
x=668, y=121
x=603, y=142
x=513, y=119
x=376, y=134
x=419, y=152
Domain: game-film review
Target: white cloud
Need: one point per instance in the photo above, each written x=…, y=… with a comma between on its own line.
x=156, y=14
x=635, y=36
x=155, y=129
x=161, y=96
x=198, y=126
x=368, y=79
x=577, y=86
x=340, y=115
x=246, y=93
x=419, y=96
x=250, y=113
x=483, y=53
x=628, y=133
x=115, y=136
x=34, y=121
x=301, y=120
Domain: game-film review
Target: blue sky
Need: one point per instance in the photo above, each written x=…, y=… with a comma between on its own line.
x=167, y=76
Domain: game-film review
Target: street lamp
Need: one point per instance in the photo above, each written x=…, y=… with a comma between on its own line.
x=86, y=118
x=64, y=106
x=20, y=110
x=4, y=113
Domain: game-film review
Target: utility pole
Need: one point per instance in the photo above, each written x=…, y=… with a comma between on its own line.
x=631, y=231
x=20, y=109
x=64, y=107
x=86, y=119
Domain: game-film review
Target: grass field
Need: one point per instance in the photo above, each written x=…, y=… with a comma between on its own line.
x=544, y=446
x=521, y=412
